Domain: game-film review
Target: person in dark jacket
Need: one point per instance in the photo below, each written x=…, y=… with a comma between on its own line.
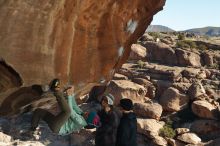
x=127, y=129
x=106, y=133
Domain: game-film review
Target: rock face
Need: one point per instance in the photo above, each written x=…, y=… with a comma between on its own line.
x=80, y=42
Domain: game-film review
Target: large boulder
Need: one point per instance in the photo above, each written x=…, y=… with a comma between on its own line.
x=196, y=90
x=138, y=52
x=159, y=141
x=151, y=90
x=148, y=110
x=126, y=89
x=80, y=42
x=208, y=58
x=188, y=58
x=161, y=53
x=149, y=127
x=203, y=109
x=172, y=100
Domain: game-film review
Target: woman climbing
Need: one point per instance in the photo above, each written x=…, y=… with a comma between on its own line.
x=70, y=118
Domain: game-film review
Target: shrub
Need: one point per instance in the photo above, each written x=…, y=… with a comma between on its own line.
x=215, y=66
x=181, y=36
x=181, y=44
x=155, y=35
x=186, y=44
x=202, y=47
x=191, y=43
x=141, y=64
x=167, y=130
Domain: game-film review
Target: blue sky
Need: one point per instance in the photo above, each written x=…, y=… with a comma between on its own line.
x=186, y=14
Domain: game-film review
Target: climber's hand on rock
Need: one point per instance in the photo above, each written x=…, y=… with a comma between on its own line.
x=70, y=90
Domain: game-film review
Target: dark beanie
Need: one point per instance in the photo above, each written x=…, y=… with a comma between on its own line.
x=126, y=104
x=54, y=83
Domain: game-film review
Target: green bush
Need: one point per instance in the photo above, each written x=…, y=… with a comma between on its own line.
x=181, y=37
x=202, y=47
x=155, y=35
x=215, y=66
x=181, y=44
x=191, y=43
x=186, y=44
x=167, y=130
x=141, y=64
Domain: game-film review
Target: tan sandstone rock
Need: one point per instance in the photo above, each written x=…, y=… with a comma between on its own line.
x=149, y=127
x=188, y=58
x=190, y=138
x=161, y=53
x=126, y=89
x=151, y=90
x=5, y=138
x=159, y=141
x=196, y=90
x=173, y=100
x=148, y=110
x=203, y=109
x=138, y=52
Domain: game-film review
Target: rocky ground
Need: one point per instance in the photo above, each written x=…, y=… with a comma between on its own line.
x=174, y=81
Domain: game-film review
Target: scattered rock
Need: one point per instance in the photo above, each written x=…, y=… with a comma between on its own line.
x=159, y=141
x=190, y=138
x=149, y=127
x=180, y=131
x=172, y=100
x=120, y=77
x=173, y=142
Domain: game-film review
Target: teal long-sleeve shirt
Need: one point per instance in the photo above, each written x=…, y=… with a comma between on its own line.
x=76, y=120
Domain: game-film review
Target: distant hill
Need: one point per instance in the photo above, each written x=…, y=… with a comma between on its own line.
x=209, y=31
x=159, y=28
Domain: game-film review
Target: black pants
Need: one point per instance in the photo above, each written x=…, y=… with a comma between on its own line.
x=54, y=122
